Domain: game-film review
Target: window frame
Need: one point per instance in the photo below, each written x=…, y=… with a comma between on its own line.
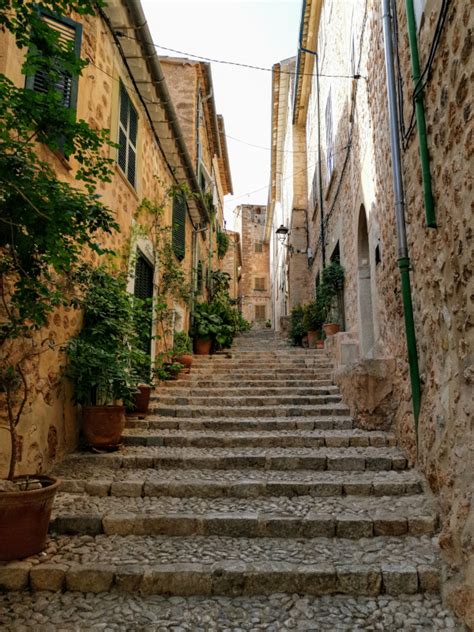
x=126, y=131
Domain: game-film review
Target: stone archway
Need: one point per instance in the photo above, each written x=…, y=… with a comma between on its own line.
x=366, y=318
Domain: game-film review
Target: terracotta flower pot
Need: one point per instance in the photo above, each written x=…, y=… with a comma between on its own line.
x=24, y=519
x=185, y=359
x=330, y=329
x=141, y=399
x=313, y=337
x=202, y=346
x=319, y=344
x=103, y=425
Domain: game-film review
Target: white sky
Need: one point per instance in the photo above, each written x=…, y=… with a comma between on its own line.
x=257, y=32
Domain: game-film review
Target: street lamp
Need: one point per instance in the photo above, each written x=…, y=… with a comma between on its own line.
x=281, y=233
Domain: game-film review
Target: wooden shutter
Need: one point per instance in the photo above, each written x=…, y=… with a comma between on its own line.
x=179, y=226
x=127, y=137
x=143, y=287
x=260, y=283
x=69, y=32
x=258, y=246
x=260, y=312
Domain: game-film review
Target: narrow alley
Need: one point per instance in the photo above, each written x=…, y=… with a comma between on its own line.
x=247, y=479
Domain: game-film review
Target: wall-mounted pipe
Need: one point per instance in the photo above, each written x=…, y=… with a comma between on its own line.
x=403, y=257
x=420, y=116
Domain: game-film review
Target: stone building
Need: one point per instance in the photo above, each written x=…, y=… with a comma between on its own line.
x=232, y=264
x=123, y=89
x=255, y=283
x=337, y=111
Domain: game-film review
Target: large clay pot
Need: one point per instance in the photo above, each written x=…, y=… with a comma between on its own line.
x=141, y=399
x=202, y=347
x=24, y=518
x=330, y=329
x=313, y=336
x=103, y=425
x=186, y=360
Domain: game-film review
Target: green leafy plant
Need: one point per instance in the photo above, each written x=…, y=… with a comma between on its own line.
x=222, y=244
x=47, y=225
x=182, y=344
x=268, y=324
x=164, y=368
x=103, y=357
x=332, y=282
x=297, y=328
x=313, y=315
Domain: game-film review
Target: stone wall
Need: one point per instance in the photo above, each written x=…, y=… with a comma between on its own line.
x=232, y=263
x=360, y=219
x=255, y=265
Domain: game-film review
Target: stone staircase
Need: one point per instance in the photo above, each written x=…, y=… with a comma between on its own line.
x=248, y=479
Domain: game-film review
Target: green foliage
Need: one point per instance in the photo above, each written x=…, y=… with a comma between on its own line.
x=164, y=369
x=268, y=324
x=222, y=243
x=313, y=315
x=103, y=356
x=297, y=328
x=182, y=344
x=207, y=325
x=332, y=282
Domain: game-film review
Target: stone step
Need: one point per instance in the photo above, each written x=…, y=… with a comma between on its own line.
x=165, y=399
x=318, y=459
x=103, y=481
x=231, y=383
x=283, y=439
x=216, y=390
x=250, y=411
x=262, y=372
x=237, y=425
x=228, y=566
x=277, y=363
x=264, y=516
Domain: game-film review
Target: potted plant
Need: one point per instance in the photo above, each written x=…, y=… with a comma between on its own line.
x=207, y=326
x=297, y=328
x=313, y=318
x=182, y=350
x=101, y=358
x=166, y=368
x=331, y=285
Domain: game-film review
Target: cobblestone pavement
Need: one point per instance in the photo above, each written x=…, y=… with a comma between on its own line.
x=246, y=500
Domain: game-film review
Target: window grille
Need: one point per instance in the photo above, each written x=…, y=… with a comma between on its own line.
x=258, y=246
x=179, y=226
x=69, y=37
x=260, y=312
x=260, y=283
x=128, y=128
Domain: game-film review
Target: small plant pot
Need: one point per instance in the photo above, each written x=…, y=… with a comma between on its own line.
x=331, y=328
x=103, y=425
x=141, y=400
x=319, y=344
x=202, y=346
x=24, y=518
x=313, y=337
x=186, y=360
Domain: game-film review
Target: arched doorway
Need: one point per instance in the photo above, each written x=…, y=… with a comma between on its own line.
x=366, y=318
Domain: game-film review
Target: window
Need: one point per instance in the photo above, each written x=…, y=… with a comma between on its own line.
x=143, y=289
x=258, y=246
x=329, y=137
x=69, y=36
x=260, y=312
x=260, y=283
x=179, y=226
x=128, y=127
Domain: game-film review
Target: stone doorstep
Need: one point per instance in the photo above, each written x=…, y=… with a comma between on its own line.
x=245, y=412
x=244, y=488
x=237, y=425
x=244, y=524
x=223, y=578
x=213, y=440
x=317, y=462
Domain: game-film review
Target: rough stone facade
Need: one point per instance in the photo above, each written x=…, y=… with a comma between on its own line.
x=51, y=423
x=359, y=221
x=255, y=283
x=232, y=264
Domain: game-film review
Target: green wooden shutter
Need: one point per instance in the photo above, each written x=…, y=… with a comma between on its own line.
x=69, y=32
x=127, y=137
x=179, y=226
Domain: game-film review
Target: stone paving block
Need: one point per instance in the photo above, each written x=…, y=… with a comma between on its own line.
x=358, y=580
x=97, y=487
x=337, y=442
x=77, y=524
x=129, y=578
x=228, y=578
x=49, y=577
x=399, y=462
x=317, y=525
x=320, y=579
x=279, y=526
x=95, y=578
x=131, y=489
x=120, y=524
x=354, y=527
x=429, y=578
x=417, y=525
x=14, y=575
x=399, y=579
x=267, y=578
x=245, y=489
x=358, y=489
x=359, y=441
x=177, y=579
x=71, y=486
x=229, y=524
x=178, y=524
x=390, y=524
x=346, y=463
x=159, y=488
x=387, y=488
x=376, y=463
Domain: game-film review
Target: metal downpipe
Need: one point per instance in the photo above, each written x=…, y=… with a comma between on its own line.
x=403, y=258
x=420, y=117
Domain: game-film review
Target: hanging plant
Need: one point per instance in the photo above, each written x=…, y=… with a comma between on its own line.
x=222, y=244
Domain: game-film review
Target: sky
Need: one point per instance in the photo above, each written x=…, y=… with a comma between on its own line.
x=257, y=32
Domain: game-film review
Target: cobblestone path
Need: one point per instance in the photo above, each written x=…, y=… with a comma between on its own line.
x=245, y=501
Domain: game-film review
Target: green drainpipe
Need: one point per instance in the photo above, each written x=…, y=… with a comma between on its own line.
x=420, y=116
